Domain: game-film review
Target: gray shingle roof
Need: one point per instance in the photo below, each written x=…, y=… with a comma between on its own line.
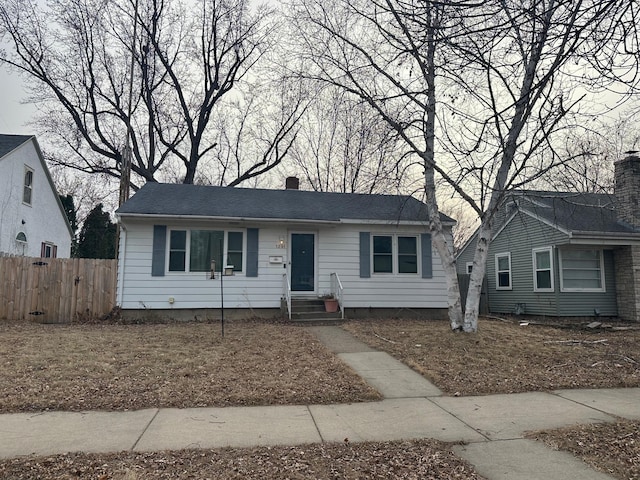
x=210, y=201
x=11, y=142
x=575, y=212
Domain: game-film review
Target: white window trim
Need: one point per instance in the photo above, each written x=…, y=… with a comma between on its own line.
x=469, y=270
x=594, y=290
x=187, y=254
x=510, y=286
x=394, y=255
x=535, y=269
x=28, y=169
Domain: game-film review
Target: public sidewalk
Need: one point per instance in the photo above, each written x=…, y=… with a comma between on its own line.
x=491, y=426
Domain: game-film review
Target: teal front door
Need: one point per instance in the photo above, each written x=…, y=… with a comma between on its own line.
x=302, y=262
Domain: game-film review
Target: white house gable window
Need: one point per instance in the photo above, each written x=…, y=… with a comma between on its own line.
x=582, y=271
x=28, y=186
x=395, y=254
x=193, y=250
x=543, y=270
x=503, y=271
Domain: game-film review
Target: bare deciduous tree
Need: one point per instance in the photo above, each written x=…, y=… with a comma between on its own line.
x=343, y=146
x=502, y=76
x=189, y=57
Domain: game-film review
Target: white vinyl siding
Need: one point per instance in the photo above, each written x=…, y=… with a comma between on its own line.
x=338, y=250
x=581, y=271
x=543, y=269
x=503, y=271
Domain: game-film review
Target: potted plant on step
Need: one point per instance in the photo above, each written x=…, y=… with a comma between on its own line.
x=330, y=303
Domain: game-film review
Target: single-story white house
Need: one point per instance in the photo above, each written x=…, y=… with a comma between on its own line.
x=374, y=252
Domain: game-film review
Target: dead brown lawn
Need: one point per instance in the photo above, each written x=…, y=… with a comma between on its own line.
x=117, y=367
x=507, y=358
x=420, y=459
x=612, y=448
x=124, y=367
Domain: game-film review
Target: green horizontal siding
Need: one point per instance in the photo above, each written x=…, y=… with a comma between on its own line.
x=519, y=238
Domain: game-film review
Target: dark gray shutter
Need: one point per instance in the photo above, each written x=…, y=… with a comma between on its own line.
x=427, y=261
x=252, y=252
x=365, y=255
x=159, y=248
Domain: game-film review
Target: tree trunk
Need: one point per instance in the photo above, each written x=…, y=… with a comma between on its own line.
x=472, y=305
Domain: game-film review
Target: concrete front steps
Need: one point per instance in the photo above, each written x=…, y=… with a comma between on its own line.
x=311, y=310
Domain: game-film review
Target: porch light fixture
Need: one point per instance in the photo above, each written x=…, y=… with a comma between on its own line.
x=280, y=243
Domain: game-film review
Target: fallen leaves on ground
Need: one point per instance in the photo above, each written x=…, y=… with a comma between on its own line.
x=612, y=448
x=419, y=459
x=127, y=367
x=504, y=357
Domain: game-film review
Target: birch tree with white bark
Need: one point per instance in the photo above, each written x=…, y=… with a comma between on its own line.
x=476, y=90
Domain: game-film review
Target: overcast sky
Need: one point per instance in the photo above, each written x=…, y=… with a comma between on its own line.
x=13, y=115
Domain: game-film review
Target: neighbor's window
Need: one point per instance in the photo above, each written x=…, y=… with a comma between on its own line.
x=469, y=267
x=48, y=250
x=196, y=249
x=503, y=271
x=28, y=185
x=395, y=254
x=581, y=270
x=543, y=270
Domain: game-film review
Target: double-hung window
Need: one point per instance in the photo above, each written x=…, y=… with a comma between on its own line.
x=27, y=191
x=395, y=254
x=193, y=250
x=503, y=271
x=581, y=271
x=543, y=270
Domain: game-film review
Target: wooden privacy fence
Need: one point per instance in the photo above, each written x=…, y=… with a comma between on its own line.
x=56, y=289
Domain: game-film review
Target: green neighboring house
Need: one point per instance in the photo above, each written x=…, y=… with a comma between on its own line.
x=566, y=254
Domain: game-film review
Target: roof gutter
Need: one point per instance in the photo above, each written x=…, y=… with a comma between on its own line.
x=603, y=238
x=124, y=216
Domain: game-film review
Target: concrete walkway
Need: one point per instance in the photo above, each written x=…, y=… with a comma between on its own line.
x=491, y=426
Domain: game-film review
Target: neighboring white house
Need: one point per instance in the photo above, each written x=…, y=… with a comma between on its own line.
x=32, y=220
x=280, y=244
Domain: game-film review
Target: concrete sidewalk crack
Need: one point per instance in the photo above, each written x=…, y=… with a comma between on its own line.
x=315, y=424
x=480, y=432
x=135, y=444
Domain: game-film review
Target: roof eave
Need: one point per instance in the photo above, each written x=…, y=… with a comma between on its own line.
x=603, y=238
x=123, y=216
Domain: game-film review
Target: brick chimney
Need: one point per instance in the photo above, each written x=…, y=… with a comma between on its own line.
x=627, y=189
x=292, y=183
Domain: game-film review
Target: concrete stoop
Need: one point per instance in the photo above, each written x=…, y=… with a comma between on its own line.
x=312, y=311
